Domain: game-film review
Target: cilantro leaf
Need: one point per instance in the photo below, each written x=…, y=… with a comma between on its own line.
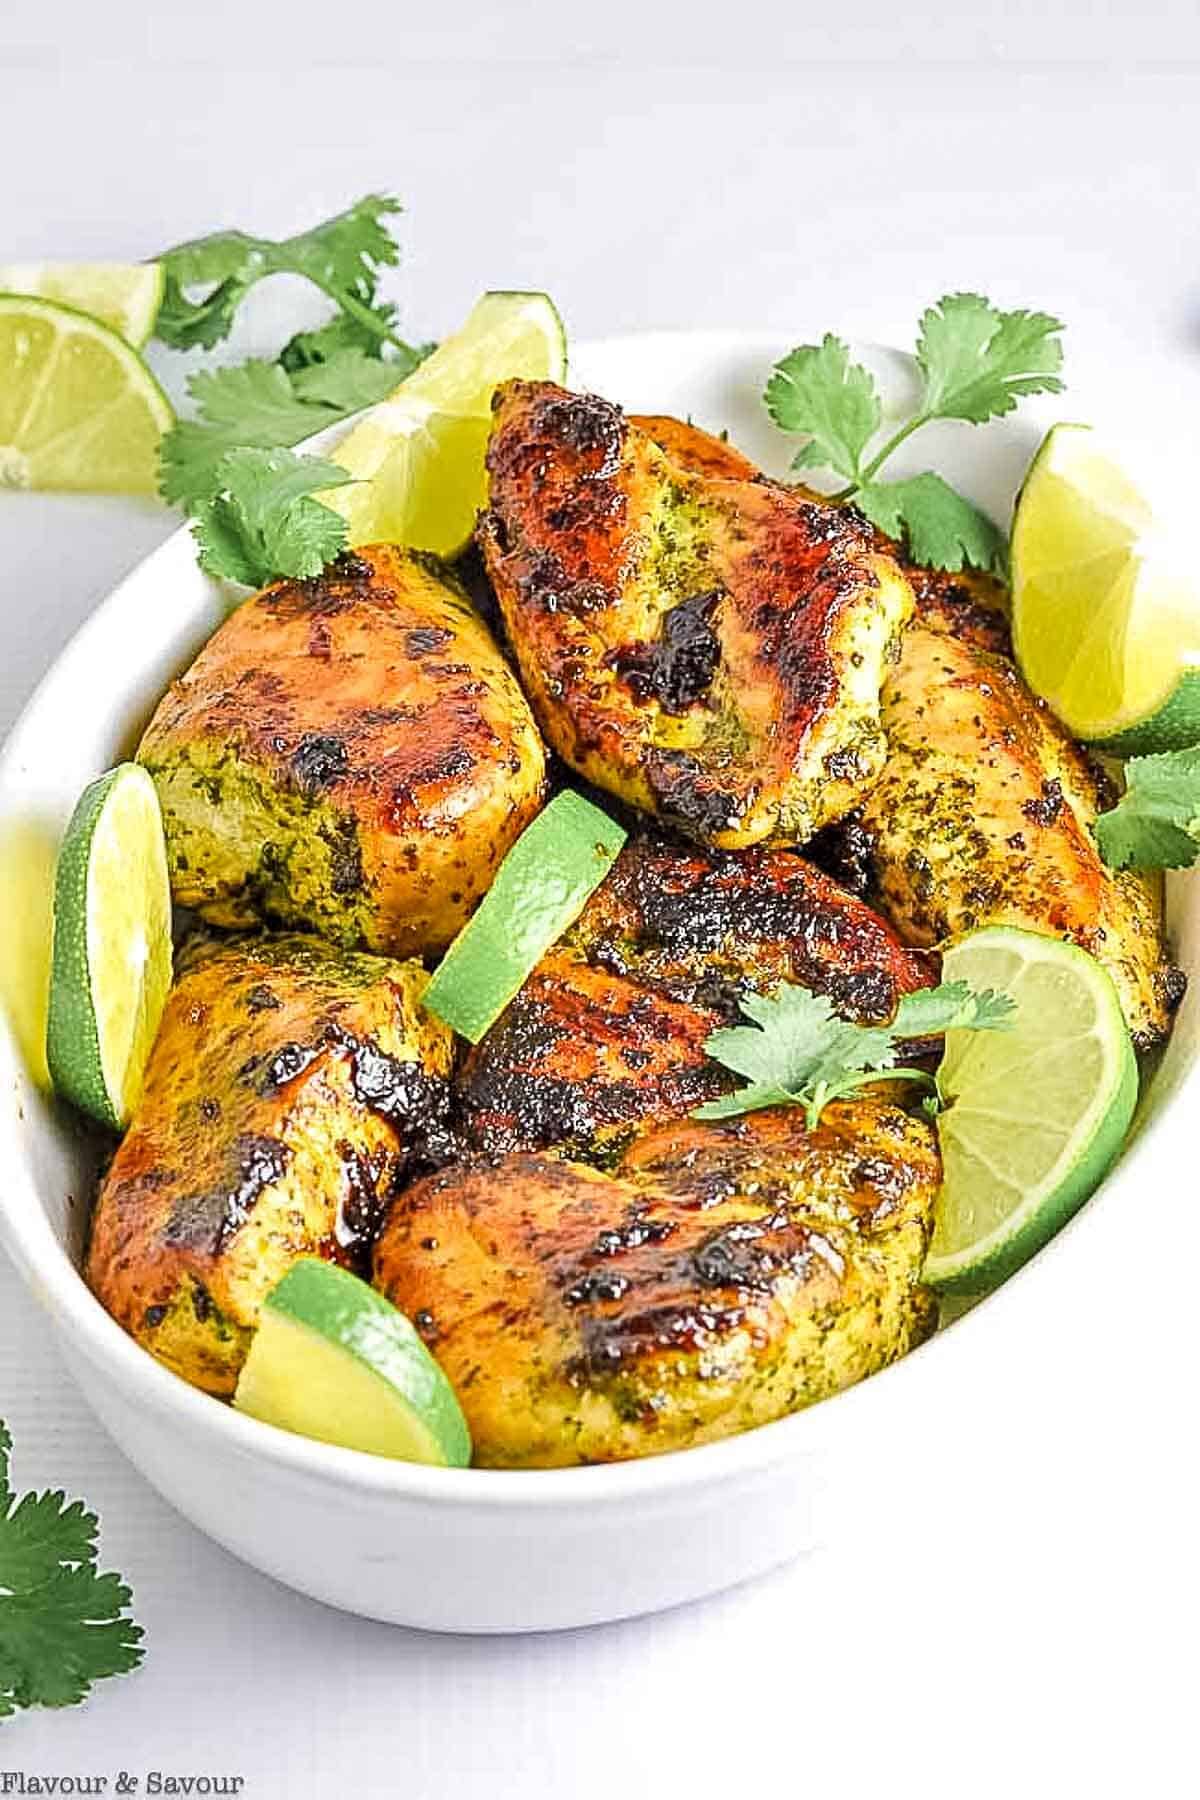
x=817, y=391
x=258, y=405
x=342, y=256
x=798, y=1052
x=62, y=1625
x=952, y=1006
x=940, y=528
x=978, y=361
x=1156, y=822
x=260, y=521
x=348, y=382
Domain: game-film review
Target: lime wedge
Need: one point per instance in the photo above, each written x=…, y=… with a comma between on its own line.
x=79, y=410
x=124, y=296
x=1035, y=1115
x=1106, y=611
x=540, y=888
x=110, y=965
x=334, y=1360
x=419, y=456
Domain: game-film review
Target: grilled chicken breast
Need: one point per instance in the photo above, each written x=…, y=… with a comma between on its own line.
x=983, y=810
x=291, y=1086
x=721, y=1276
x=704, y=643
x=609, y=1030
x=349, y=754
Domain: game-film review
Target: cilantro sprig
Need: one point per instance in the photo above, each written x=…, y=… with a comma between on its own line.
x=62, y=1624
x=798, y=1052
x=342, y=256
x=232, y=467
x=976, y=364
x=1156, y=822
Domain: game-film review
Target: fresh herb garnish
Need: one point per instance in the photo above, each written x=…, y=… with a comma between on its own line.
x=260, y=520
x=798, y=1052
x=255, y=515
x=260, y=406
x=62, y=1624
x=1156, y=822
x=976, y=363
x=342, y=256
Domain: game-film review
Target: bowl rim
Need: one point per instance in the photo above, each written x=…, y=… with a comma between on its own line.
x=55, y=1280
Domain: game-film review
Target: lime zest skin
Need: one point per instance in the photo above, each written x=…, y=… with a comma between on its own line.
x=334, y=1360
x=110, y=965
x=540, y=889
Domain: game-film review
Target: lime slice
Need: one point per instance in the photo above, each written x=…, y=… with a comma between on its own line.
x=110, y=965
x=419, y=456
x=79, y=410
x=124, y=296
x=1106, y=612
x=334, y=1360
x=540, y=888
x=1034, y=1115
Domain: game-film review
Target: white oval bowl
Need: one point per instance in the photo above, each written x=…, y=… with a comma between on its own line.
x=480, y=1550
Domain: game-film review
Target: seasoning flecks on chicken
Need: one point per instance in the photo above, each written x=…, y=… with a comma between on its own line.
x=704, y=643
x=609, y=1031
x=722, y=1276
x=290, y=1087
x=349, y=754
x=982, y=815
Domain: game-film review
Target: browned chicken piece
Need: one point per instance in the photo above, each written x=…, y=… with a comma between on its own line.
x=350, y=754
x=722, y=1276
x=704, y=643
x=290, y=1088
x=982, y=815
x=609, y=1031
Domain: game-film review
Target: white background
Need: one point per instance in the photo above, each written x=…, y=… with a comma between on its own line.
x=1020, y=1617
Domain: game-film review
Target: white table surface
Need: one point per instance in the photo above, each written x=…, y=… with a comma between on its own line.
x=1019, y=1618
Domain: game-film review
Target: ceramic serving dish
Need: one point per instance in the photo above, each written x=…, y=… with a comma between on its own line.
x=477, y=1550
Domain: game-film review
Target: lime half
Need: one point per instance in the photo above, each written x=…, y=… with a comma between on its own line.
x=1035, y=1115
x=418, y=457
x=79, y=410
x=124, y=296
x=334, y=1360
x=1106, y=610
x=110, y=966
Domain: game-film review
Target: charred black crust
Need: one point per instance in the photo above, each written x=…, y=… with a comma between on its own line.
x=1048, y=805
x=424, y=639
x=206, y=1222
x=685, y=795
x=846, y=852
x=319, y=762
x=713, y=914
x=677, y=669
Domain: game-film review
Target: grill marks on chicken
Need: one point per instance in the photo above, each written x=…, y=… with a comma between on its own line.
x=349, y=754
x=609, y=1031
x=720, y=1277
x=704, y=643
x=291, y=1087
x=983, y=812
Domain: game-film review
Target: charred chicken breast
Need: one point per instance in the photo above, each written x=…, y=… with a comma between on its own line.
x=349, y=754
x=290, y=1088
x=704, y=643
x=609, y=1030
x=720, y=1277
x=983, y=812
